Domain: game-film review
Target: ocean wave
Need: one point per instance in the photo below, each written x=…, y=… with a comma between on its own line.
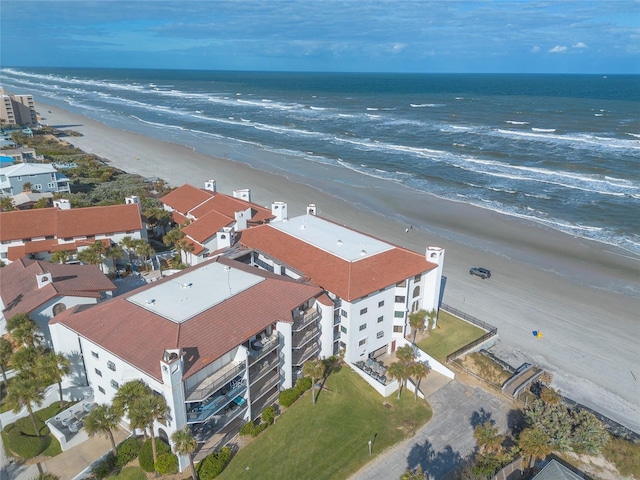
x=513, y=122
x=579, y=140
x=425, y=105
x=543, y=130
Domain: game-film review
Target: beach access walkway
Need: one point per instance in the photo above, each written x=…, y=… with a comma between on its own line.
x=441, y=446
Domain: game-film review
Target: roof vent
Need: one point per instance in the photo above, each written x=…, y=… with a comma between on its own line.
x=187, y=285
x=363, y=252
x=151, y=301
x=339, y=242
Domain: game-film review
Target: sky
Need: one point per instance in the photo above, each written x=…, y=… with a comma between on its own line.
x=443, y=36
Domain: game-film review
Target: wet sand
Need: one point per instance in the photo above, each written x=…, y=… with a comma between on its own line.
x=582, y=295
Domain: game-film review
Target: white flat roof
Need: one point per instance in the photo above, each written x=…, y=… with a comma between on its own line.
x=179, y=299
x=342, y=242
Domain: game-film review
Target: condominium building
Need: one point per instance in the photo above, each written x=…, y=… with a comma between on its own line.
x=17, y=110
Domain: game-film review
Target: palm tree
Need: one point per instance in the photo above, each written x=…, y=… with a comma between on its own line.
x=52, y=367
x=534, y=444
x=488, y=438
x=25, y=359
x=127, y=394
x=418, y=371
x=24, y=330
x=432, y=316
x=89, y=256
x=25, y=390
x=185, y=444
x=416, y=322
x=6, y=351
x=418, y=474
x=61, y=256
x=103, y=419
x=6, y=204
x=145, y=251
x=129, y=245
x=101, y=250
x=316, y=370
x=406, y=354
x=400, y=372
x=145, y=411
x=115, y=252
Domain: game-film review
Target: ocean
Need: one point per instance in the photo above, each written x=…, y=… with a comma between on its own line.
x=562, y=151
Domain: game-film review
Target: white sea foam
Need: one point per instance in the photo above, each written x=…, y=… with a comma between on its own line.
x=424, y=105
x=513, y=122
x=543, y=130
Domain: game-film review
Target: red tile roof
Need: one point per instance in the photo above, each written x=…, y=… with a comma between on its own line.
x=185, y=198
x=348, y=280
x=207, y=226
x=19, y=288
x=139, y=336
x=50, y=246
x=75, y=222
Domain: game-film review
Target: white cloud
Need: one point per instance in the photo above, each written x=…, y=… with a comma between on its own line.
x=398, y=47
x=580, y=45
x=558, y=49
x=535, y=49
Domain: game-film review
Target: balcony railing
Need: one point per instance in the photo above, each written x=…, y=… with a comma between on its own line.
x=262, y=389
x=204, y=411
x=202, y=433
x=215, y=381
x=301, y=356
x=299, y=339
x=337, y=304
x=258, y=370
x=302, y=320
x=260, y=348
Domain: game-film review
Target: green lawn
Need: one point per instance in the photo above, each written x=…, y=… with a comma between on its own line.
x=329, y=439
x=130, y=473
x=19, y=437
x=451, y=334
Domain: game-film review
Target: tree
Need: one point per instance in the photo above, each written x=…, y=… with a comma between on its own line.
x=103, y=419
x=89, y=256
x=406, y=354
x=416, y=322
x=61, y=256
x=534, y=443
x=6, y=352
x=42, y=203
x=147, y=410
x=400, y=372
x=185, y=444
x=24, y=330
x=588, y=435
x=316, y=370
x=488, y=438
x=6, y=204
x=553, y=419
x=127, y=394
x=418, y=370
x=26, y=390
x=52, y=367
x=418, y=474
x=129, y=244
x=145, y=251
x=26, y=187
x=25, y=359
x=114, y=253
x=432, y=315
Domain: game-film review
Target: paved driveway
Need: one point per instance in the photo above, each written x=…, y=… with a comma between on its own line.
x=442, y=444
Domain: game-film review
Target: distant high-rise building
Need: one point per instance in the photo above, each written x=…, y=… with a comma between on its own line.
x=17, y=110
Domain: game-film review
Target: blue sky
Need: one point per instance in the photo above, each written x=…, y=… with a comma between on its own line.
x=524, y=36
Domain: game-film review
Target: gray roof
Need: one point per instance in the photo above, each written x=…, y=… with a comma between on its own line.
x=554, y=470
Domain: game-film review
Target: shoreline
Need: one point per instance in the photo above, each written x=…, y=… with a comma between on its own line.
x=543, y=279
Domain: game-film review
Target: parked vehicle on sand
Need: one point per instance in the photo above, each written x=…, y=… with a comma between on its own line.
x=480, y=272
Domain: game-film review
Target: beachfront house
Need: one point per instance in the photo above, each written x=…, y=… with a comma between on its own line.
x=38, y=233
x=211, y=219
x=373, y=285
x=36, y=177
x=43, y=290
x=218, y=340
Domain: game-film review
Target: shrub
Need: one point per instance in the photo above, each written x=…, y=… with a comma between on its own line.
x=269, y=414
x=46, y=476
x=146, y=454
x=167, y=464
x=127, y=451
x=104, y=468
x=288, y=396
x=214, y=464
x=259, y=429
x=247, y=429
x=303, y=384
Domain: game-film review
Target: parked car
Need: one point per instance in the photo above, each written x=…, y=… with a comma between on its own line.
x=480, y=272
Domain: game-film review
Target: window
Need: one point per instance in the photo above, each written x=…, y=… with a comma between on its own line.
x=94, y=354
x=343, y=329
x=398, y=314
x=400, y=298
x=363, y=311
x=398, y=328
x=111, y=366
x=416, y=292
x=37, y=186
x=343, y=313
x=380, y=334
x=59, y=308
x=51, y=185
x=362, y=342
x=98, y=372
x=114, y=384
x=417, y=278
x=380, y=318
x=381, y=303
x=363, y=327
x=101, y=390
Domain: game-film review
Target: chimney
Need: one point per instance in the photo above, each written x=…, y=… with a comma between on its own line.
x=242, y=194
x=210, y=186
x=279, y=210
x=225, y=237
x=241, y=221
x=434, y=255
x=311, y=209
x=62, y=204
x=134, y=199
x=43, y=279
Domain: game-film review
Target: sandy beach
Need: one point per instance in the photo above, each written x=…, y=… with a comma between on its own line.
x=583, y=296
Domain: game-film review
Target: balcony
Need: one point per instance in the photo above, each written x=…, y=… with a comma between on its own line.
x=260, y=348
x=199, y=412
x=299, y=339
x=263, y=386
x=204, y=432
x=303, y=319
x=258, y=370
x=213, y=382
x=302, y=355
